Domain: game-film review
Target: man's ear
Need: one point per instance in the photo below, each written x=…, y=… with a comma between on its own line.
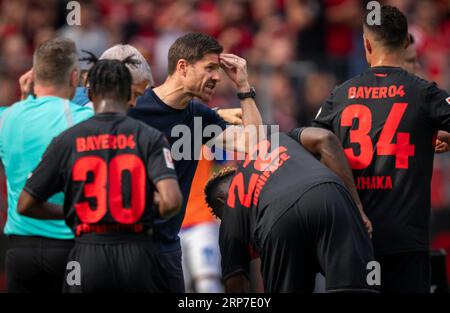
x=74, y=78
x=367, y=44
x=182, y=67
x=408, y=42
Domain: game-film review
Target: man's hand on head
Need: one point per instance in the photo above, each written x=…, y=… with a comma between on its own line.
x=236, y=69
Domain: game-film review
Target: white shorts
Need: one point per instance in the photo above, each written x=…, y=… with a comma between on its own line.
x=201, y=253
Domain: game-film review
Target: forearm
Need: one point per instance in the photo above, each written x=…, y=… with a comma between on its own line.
x=324, y=143
x=251, y=120
x=250, y=113
x=44, y=211
x=237, y=284
x=334, y=158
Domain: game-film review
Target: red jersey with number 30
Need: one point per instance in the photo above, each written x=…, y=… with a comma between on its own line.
x=107, y=167
x=387, y=121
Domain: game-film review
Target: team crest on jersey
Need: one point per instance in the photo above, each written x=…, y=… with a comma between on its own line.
x=168, y=158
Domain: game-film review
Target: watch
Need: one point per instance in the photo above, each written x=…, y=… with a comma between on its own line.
x=245, y=95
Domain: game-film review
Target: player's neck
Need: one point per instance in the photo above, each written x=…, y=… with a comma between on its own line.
x=394, y=59
x=173, y=94
x=54, y=91
x=109, y=106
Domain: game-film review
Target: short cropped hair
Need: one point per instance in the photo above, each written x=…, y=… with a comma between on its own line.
x=392, y=32
x=54, y=60
x=140, y=72
x=215, y=188
x=192, y=47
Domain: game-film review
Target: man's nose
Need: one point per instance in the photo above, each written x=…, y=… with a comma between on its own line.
x=216, y=76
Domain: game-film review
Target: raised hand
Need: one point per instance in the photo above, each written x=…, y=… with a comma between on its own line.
x=236, y=69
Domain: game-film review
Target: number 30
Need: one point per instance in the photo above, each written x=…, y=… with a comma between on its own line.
x=112, y=175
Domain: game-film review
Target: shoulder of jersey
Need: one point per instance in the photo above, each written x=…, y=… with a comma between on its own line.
x=143, y=125
x=350, y=81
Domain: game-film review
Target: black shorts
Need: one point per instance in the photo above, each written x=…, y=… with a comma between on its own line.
x=117, y=263
x=407, y=272
x=36, y=264
x=172, y=270
x=322, y=231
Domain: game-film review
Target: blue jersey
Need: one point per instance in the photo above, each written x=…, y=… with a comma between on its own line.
x=26, y=129
x=154, y=112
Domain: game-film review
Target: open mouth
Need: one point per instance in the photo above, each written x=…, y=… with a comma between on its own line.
x=210, y=87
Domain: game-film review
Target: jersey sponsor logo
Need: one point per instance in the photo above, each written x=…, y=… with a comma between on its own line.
x=364, y=92
x=266, y=163
x=105, y=142
x=84, y=228
x=168, y=158
x=374, y=182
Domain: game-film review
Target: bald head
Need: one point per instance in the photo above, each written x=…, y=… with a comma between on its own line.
x=140, y=72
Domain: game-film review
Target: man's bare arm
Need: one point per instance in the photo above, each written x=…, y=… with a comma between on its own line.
x=238, y=283
x=235, y=138
x=32, y=207
x=325, y=144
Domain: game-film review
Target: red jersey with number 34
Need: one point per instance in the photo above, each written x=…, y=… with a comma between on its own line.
x=107, y=167
x=387, y=120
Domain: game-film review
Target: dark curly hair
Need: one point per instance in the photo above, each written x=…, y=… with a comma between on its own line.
x=216, y=189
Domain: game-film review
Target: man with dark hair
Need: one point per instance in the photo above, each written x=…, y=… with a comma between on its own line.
x=194, y=63
x=191, y=47
x=37, y=254
x=108, y=167
x=295, y=213
x=386, y=119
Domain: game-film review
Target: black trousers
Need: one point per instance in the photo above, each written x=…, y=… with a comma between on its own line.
x=117, y=263
x=36, y=264
x=322, y=232
x=407, y=272
x=172, y=270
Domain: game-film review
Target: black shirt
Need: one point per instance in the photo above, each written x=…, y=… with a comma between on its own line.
x=263, y=188
x=175, y=125
x=386, y=120
x=107, y=167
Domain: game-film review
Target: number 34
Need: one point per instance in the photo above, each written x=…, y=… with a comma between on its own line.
x=402, y=149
